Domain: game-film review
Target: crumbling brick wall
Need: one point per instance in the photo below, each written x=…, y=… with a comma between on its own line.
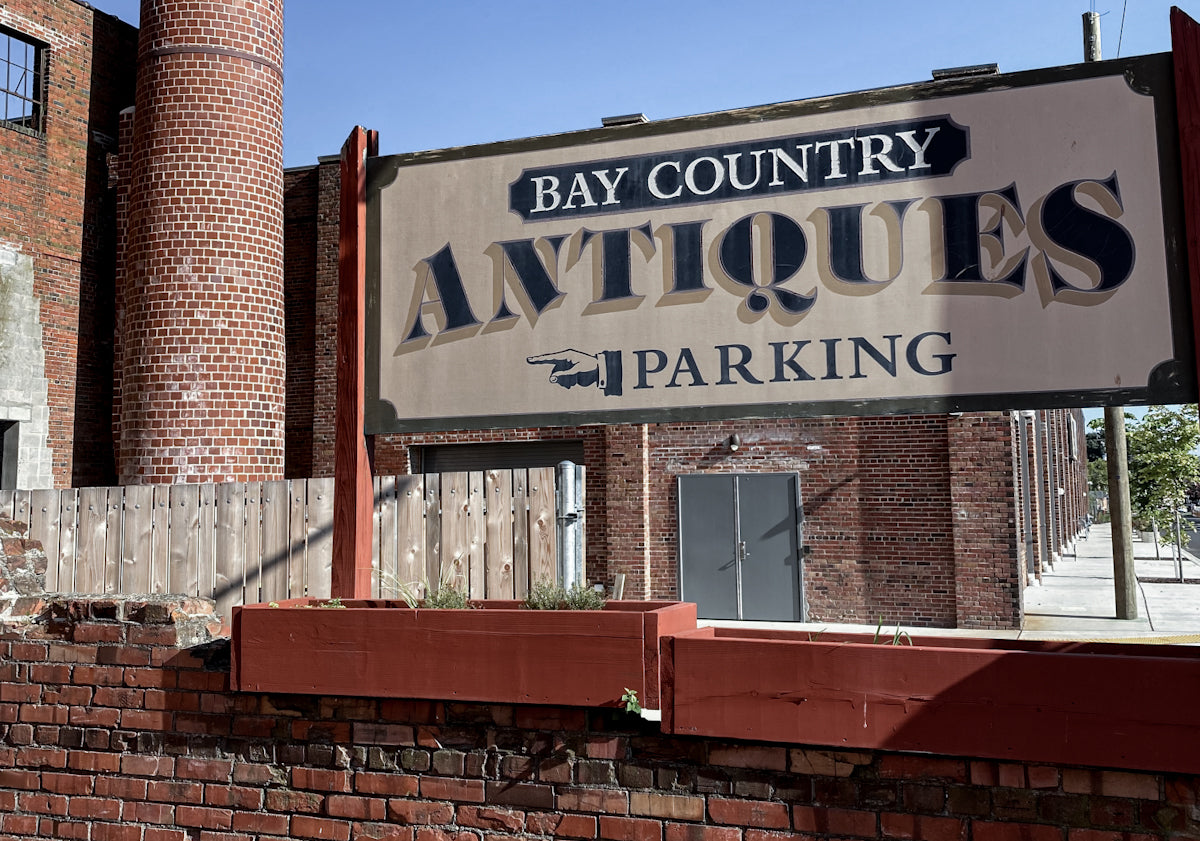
x=116, y=724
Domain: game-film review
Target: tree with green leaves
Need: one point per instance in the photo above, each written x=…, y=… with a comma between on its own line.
x=1163, y=465
x=1097, y=465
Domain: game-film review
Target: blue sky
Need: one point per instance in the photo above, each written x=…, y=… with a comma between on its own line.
x=460, y=72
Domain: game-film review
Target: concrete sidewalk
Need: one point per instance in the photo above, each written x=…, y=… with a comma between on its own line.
x=1076, y=599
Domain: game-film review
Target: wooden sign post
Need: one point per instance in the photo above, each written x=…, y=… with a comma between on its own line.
x=1185, y=49
x=353, y=500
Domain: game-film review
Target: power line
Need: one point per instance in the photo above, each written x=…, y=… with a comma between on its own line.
x=1122, y=33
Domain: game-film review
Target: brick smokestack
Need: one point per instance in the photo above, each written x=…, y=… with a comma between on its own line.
x=202, y=385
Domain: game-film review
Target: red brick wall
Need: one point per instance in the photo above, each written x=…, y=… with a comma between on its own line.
x=110, y=733
x=987, y=572
x=876, y=502
x=54, y=207
x=204, y=344
x=325, y=304
x=111, y=85
x=300, y=241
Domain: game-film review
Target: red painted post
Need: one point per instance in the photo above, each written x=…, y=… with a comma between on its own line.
x=353, y=498
x=1185, y=49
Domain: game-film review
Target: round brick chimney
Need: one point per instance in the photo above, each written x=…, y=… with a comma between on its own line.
x=202, y=385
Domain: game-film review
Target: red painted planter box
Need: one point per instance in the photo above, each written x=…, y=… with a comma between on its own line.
x=494, y=653
x=1107, y=705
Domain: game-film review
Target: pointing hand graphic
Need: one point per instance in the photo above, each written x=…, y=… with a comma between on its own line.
x=572, y=367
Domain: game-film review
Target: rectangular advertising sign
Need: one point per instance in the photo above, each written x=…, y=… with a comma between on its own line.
x=1004, y=242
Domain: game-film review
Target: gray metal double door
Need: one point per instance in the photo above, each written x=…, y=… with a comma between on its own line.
x=740, y=546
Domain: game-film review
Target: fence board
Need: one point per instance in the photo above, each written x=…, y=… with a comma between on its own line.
x=137, y=553
x=113, y=513
x=320, y=537
x=160, y=541
x=253, y=542
x=520, y=504
x=275, y=508
x=206, y=544
x=476, y=537
x=6, y=504
x=229, y=546
x=44, y=511
x=297, y=537
x=21, y=506
x=433, y=529
x=68, y=533
x=93, y=539
x=542, y=551
x=498, y=490
x=410, y=532
x=456, y=537
x=383, y=555
x=183, y=572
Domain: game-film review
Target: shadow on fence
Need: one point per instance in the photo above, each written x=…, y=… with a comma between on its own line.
x=489, y=533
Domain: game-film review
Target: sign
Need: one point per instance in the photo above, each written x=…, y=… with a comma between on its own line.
x=995, y=243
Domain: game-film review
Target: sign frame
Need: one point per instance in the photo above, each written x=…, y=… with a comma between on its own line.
x=1172, y=382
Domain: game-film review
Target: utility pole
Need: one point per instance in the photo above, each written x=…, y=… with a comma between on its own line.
x=1124, y=575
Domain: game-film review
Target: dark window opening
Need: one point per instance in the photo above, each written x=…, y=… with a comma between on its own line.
x=451, y=458
x=22, y=82
x=9, y=436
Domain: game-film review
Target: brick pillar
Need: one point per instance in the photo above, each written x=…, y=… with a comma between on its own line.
x=203, y=345
x=987, y=572
x=627, y=490
x=326, y=316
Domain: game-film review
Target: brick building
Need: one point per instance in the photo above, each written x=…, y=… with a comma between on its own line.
x=159, y=267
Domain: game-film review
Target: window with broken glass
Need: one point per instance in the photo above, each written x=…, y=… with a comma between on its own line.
x=22, y=82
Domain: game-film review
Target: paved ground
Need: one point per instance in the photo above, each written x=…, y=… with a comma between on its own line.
x=1076, y=600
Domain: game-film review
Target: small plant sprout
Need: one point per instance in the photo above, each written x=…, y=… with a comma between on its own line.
x=898, y=638
x=334, y=602
x=630, y=700
x=547, y=594
x=446, y=597
x=582, y=597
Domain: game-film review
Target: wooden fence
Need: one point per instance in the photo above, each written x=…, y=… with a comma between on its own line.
x=489, y=532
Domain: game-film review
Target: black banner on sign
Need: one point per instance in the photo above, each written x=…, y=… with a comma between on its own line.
x=868, y=154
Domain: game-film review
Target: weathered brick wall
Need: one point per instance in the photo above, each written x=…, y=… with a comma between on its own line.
x=110, y=732
x=52, y=210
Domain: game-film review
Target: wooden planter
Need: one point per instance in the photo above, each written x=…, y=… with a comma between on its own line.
x=1114, y=705
x=493, y=653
